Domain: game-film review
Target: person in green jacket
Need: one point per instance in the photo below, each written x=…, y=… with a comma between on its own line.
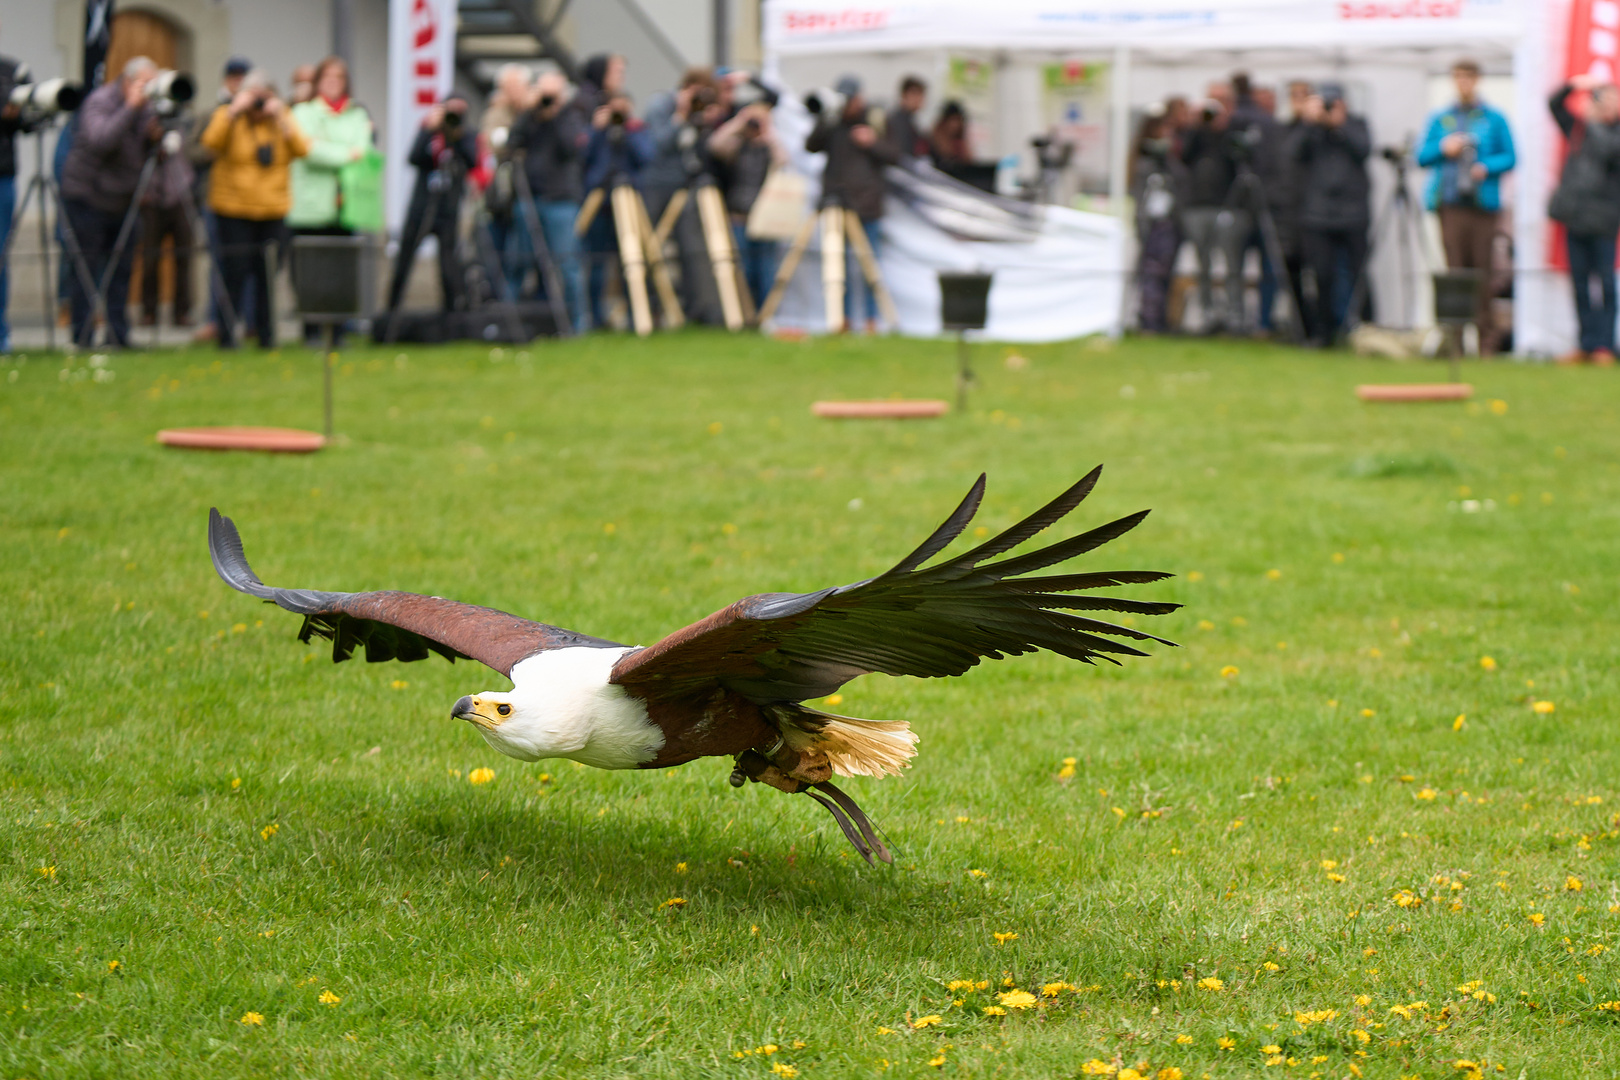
x=340, y=132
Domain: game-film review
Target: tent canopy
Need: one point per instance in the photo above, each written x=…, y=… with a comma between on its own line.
x=799, y=27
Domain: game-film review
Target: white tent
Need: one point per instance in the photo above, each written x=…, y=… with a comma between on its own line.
x=1386, y=52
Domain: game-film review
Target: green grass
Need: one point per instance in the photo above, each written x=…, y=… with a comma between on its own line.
x=238, y=825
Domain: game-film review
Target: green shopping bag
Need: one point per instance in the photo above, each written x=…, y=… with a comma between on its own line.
x=361, y=184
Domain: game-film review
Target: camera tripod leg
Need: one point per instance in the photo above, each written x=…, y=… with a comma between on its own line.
x=126, y=230
x=36, y=181
x=588, y=211
x=672, y=214
x=627, y=224
x=869, y=266
x=832, y=267
x=717, y=238
x=785, y=272
x=658, y=267
x=529, y=210
x=488, y=256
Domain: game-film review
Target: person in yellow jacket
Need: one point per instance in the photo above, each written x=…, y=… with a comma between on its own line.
x=254, y=139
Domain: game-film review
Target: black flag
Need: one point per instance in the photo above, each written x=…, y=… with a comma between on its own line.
x=98, y=17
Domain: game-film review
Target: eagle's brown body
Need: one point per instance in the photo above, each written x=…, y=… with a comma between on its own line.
x=732, y=684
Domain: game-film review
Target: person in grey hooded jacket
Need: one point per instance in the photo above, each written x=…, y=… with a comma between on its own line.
x=1587, y=204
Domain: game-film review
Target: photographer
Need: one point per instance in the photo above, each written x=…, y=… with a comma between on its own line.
x=1256, y=143
x=1331, y=154
x=340, y=131
x=1468, y=145
x=747, y=145
x=1587, y=204
x=254, y=140
x=165, y=212
x=853, y=179
x=615, y=153
x=678, y=129
x=1207, y=219
x=202, y=164
x=548, y=143
x=11, y=73
x=444, y=150
x=1158, y=183
x=116, y=126
x=903, y=128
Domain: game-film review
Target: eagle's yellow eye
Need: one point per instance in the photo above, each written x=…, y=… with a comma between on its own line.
x=504, y=710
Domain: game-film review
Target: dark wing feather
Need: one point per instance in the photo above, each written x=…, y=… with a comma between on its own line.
x=393, y=625
x=934, y=621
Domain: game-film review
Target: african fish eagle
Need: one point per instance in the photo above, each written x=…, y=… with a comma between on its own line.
x=735, y=683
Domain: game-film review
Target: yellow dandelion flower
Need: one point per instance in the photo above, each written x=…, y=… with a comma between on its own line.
x=1066, y=773
x=959, y=984
x=1017, y=999
x=1338, y=556
x=962, y=819
x=1129, y=1074
x=1210, y=982
x=46, y=872
x=252, y=1019
x=784, y=1070
x=1488, y=663
x=1230, y=671
x=1195, y=575
x=1226, y=1042
x=114, y=965
x=673, y=902
x=1538, y=919
x=1070, y=761
x=399, y=684
x=1053, y=989
x=926, y=1021
x=1184, y=1040
x=1427, y=794
x=885, y=1031
x=328, y=998
x=1363, y=1000
x=1498, y=406
x=1329, y=864
x=1273, y=574
x=977, y=874
x=833, y=700
x=1573, y=884
x=1368, y=713
x=994, y=1010
x=1205, y=624
x=481, y=776
x=1270, y=966
x=269, y=830
x=1003, y=938
x=680, y=868
x=1271, y=1048
x=1542, y=708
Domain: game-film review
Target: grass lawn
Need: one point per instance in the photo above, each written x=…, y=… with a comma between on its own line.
x=1279, y=849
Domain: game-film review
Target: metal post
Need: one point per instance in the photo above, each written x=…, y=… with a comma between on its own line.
x=964, y=372
x=343, y=31
x=328, y=355
x=722, y=33
x=49, y=280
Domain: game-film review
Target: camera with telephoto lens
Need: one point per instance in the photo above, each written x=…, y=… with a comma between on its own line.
x=754, y=92
x=41, y=101
x=1466, y=159
x=169, y=90
x=703, y=97
x=824, y=103
x=1241, y=143
x=547, y=101
x=452, y=122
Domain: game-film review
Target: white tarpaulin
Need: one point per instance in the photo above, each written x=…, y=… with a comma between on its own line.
x=421, y=67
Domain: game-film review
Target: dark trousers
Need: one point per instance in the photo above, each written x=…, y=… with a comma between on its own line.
x=1593, y=256
x=1296, y=294
x=247, y=255
x=443, y=226
x=1468, y=234
x=1335, y=258
x=158, y=222
x=97, y=232
x=1154, y=268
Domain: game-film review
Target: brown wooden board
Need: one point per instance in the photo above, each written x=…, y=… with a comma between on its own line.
x=1414, y=391
x=879, y=410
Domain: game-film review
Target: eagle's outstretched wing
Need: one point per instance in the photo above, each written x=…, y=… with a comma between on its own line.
x=393, y=625
x=909, y=621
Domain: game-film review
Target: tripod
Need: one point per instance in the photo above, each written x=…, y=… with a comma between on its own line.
x=49, y=195
x=126, y=232
x=1403, y=214
x=453, y=178
x=736, y=304
x=544, y=264
x=1249, y=193
x=640, y=251
x=837, y=222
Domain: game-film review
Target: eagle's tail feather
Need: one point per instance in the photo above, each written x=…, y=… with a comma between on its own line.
x=854, y=747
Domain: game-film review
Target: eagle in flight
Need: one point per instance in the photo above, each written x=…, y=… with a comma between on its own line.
x=736, y=683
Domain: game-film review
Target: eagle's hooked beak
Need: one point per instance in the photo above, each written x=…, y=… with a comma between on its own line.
x=466, y=708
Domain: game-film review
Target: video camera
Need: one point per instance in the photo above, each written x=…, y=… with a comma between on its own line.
x=169, y=91
x=824, y=103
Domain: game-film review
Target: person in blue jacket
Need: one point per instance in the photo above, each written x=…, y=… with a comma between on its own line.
x=1468, y=146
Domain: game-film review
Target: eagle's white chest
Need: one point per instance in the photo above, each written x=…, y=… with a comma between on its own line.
x=564, y=706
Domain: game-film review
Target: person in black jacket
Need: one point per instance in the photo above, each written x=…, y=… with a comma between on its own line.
x=853, y=179
x=1208, y=219
x=445, y=149
x=1587, y=204
x=11, y=73
x=1331, y=152
x=1158, y=182
x=548, y=142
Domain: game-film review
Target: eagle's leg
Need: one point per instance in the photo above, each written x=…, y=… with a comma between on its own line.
x=753, y=765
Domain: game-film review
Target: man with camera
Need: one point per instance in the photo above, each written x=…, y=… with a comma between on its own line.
x=853, y=179
x=1208, y=218
x=547, y=141
x=1587, y=204
x=1468, y=145
x=679, y=124
x=904, y=127
x=446, y=148
x=748, y=148
x=1330, y=151
x=117, y=126
x=616, y=151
